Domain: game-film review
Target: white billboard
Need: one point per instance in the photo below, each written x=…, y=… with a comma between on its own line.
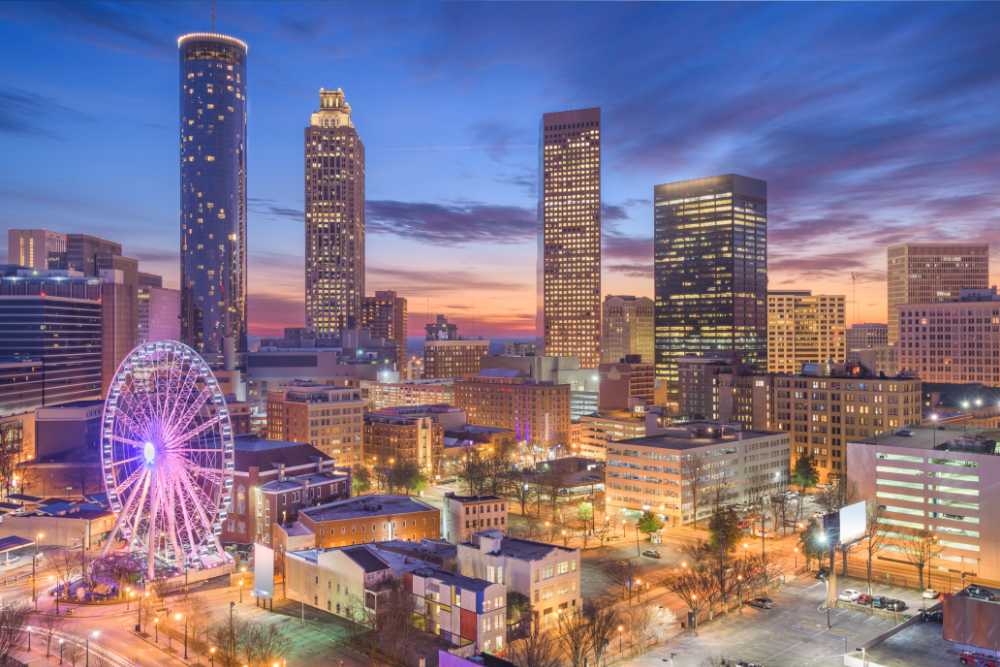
x=853, y=522
x=263, y=571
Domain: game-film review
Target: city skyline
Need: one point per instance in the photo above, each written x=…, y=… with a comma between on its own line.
x=871, y=136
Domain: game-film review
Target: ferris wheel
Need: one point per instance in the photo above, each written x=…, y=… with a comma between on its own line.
x=167, y=458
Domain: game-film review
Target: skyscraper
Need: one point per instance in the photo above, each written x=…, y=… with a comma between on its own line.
x=213, y=128
x=710, y=271
x=384, y=315
x=335, y=217
x=35, y=248
x=933, y=272
x=627, y=325
x=802, y=328
x=570, y=238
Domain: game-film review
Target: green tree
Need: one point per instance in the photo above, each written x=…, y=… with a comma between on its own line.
x=406, y=476
x=361, y=479
x=649, y=523
x=805, y=474
x=724, y=530
x=812, y=543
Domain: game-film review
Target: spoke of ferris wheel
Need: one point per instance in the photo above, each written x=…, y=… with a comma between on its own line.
x=179, y=440
x=121, y=520
x=129, y=481
x=200, y=496
x=182, y=397
x=188, y=523
x=128, y=441
x=131, y=508
x=135, y=518
x=169, y=493
x=124, y=414
x=138, y=402
x=189, y=413
x=199, y=504
x=212, y=474
x=151, y=534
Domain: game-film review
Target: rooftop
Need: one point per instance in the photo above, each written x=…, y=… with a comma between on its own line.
x=522, y=549
x=457, y=580
x=432, y=551
x=691, y=435
x=941, y=439
x=364, y=506
x=254, y=452
x=470, y=499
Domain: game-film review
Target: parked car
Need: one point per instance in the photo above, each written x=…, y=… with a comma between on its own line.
x=849, y=595
x=930, y=594
x=970, y=658
x=980, y=593
x=651, y=553
x=892, y=604
x=822, y=573
x=762, y=603
x=864, y=599
x=936, y=616
x=879, y=602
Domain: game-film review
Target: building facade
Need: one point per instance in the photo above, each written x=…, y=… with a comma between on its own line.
x=710, y=271
x=371, y=519
x=335, y=217
x=595, y=432
x=410, y=392
x=570, y=243
x=464, y=611
x=931, y=272
x=625, y=384
x=683, y=472
x=329, y=418
x=36, y=248
x=454, y=358
x=464, y=516
x=159, y=311
x=384, y=315
x=213, y=178
x=441, y=329
x=822, y=411
x=867, y=335
x=537, y=412
x=627, y=328
x=803, y=328
x=401, y=434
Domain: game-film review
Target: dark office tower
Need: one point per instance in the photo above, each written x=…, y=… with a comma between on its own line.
x=710, y=271
x=83, y=252
x=570, y=235
x=335, y=217
x=384, y=315
x=213, y=129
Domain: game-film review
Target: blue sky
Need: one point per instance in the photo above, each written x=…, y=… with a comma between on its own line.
x=872, y=123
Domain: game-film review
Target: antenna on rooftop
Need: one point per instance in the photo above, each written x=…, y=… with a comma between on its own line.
x=213, y=15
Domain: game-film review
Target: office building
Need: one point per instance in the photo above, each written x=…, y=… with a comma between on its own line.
x=547, y=574
x=335, y=217
x=710, y=271
x=272, y=481
x=594, y=432
x=745, y=398
x=954, y=342
x=941, y=480
x=932, y=272
x=89, y=254
x=804, y=328
x=36, y=248
x=441, y=329
x=867, y=335
x=685, y=471
x=409, y=392
x=570, y=244
x=626, y=384
x=453, y=358
x=464, y=516
x=627, y=328
x=537, y=412
x=879, y=360
x=119, y=312
x=698, y=391
x=825, y=407
x=53, y=318
x=384, y=315
x=213, y=179
x=412, y=434
x=159, y=310
x=371, y=519
x=329, y=418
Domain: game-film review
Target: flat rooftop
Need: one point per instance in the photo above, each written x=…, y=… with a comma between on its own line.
x=365, y=506
x=919, y=645
x=695, y=434
x=941, y=439
x=526, y=549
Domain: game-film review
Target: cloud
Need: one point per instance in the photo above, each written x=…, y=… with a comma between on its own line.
x=451, y=224
x=418, y=283
x=25, y=113
x=632, y=270
x=497, y=138
x=269, y=313
x=620, y=246
x=272, y=208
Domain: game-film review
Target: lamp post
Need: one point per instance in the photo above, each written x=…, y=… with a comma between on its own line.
x=934, y=421
x=241, y=590
x=739, y=591
x=34, y=578
x=565, y=540
x=128, y=597
x=29, y=638
x=621, y=631
x=796, y=559
x=61, y=642
x=211, y=656
x=53, y=579
x=156, y=628
x=93, y=635
x=181, y=617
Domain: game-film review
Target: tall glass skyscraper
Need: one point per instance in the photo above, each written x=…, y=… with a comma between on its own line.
x=335, y=217
x=213, y=130
x=570, y=235
x=710, y=271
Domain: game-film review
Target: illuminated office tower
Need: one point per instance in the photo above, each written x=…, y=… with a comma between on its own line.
x=803, y=328
x=213, y=130
x=710, y=271
x=384, y=315
x=335, y=217
x=627, y=328
x=35, y=248
x=570, y=241
x=931, y=273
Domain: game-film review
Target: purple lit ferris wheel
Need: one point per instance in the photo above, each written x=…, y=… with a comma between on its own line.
x=167, y=457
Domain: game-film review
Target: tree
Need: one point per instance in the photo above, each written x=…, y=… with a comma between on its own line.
x=920, y=546
x=692, y=470
x=602, y=621
x=518, y=487
x=13, y=618
x=622, y=573
x=874, y=539
x=73, y=652
x=649, y=523
x=811, y=543
x=574, y=637
x=361, y=479
x=805, y=475
x=694, y=586
x=518, y=613
x=553, y=482
x=538, y=649
x=50, y=625
x=639, y=621
x=779, y=511
x=724, y=530
x=264, y=644
x=473, y=473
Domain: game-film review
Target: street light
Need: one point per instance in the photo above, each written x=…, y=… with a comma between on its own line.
x=93, y=635
x=796, y=559
x=34, y=559
x=211, y=655
x=29, y=638
x=156, y=628
x=61, y=642
x=241, y=590
x=621, y=630
x=181, y=617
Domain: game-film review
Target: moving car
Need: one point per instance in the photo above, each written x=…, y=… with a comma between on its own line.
x=930, y=594
x=849, y=595
x=651, y=553
x=762, y=603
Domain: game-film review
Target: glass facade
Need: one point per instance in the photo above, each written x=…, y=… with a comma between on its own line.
x=710, y=271
x=213, y=124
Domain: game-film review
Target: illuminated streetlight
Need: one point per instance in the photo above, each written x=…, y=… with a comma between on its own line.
x=93, y=635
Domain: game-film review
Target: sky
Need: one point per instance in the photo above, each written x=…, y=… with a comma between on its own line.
x=873, y=124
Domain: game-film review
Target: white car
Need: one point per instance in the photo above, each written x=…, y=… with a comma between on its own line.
x=930, y=594
x=849, y=595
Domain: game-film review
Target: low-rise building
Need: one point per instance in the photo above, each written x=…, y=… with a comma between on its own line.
x=547, y=574
x=329, y=418
x=60, y=523
x=466, y=515
x=371, y=519
x=412, y=434
x=464, y=611
x=460, y=442
x=595, y=431
x=681, y=473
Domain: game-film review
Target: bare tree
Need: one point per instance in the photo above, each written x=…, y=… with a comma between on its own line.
x=602, y=621
x=73, y=652
x=692, y=470
x=920, y=547
x=574, y=637
x=695, y=586
x=263, y=643
x=538, y=649
x=622, y=573
x=779, y=511
x=874, y=539
x=50, y=624
x=639, y=621
x=519, y=488
x=13, y=618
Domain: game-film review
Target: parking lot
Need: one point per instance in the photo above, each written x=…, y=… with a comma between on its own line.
x=793, y=634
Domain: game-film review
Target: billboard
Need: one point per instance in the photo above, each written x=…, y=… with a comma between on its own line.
x=853, y=522
x=263, y=571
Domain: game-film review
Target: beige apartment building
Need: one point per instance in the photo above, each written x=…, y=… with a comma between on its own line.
x=594, y=432
x=943, y=480
x=679, y=473
x=405, y=434
x=802, y=328
x=537, y=412
x=408, y=392
x=932, y=272
x=627, y=328
x=331, y=419
x=464, y=516
x=454, y=358
x=824, y=410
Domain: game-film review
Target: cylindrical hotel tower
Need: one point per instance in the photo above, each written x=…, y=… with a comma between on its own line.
x=213, y=130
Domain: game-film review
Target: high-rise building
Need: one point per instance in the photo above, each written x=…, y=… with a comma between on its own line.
x=441, y=329
x=627, y=325
x=159, y=310
x=570, y=241
x=952, y=342
x=331, y=419
x=710, y=271
x=35, y=248
x=932, y=272
x=867, y=335
x=120, y=311
x=88, y=254
x=454, y=358
x=213, y=134
x=803, y=328
x=698, y=385
x=384, y=315
x=335, y=217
